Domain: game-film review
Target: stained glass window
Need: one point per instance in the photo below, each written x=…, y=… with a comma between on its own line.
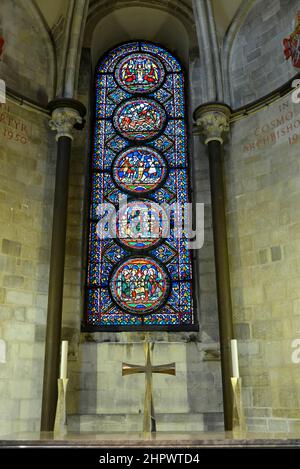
x=139, y=276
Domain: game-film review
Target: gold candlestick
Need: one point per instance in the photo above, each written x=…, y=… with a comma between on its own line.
x=238, y=418
x=60, y=425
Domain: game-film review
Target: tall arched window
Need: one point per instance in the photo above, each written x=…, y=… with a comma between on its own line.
x=142, y=277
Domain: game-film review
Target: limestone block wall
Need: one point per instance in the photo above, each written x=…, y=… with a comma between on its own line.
x=27, y=62
x=263, y=183
x=205, y=266
x=27, y=163
x=257, y=65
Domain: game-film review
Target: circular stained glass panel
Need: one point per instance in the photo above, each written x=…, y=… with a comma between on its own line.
x=139, y=119
x=139, y=170
x=141, y=224
x=140, y=285
x=139, y=73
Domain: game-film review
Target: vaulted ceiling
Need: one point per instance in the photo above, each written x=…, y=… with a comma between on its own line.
x=52, y=10
x=224, y=11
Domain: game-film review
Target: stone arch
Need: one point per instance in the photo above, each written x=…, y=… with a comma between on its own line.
x=108, y=26
x=229, y=39
x=47, y=36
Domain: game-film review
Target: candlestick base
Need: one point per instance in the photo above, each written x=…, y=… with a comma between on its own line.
x=239, y=427
x=60, y=425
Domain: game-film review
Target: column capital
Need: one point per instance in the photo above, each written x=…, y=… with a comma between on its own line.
x=66, y=114
x=212, y=121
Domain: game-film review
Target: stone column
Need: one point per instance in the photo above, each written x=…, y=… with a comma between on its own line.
x=205, y=47
x=213, y=124
x=209, y=50
x=66, y=114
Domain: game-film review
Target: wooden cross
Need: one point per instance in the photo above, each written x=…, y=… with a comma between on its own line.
x=149, y=423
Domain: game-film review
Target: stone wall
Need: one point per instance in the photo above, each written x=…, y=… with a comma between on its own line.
x=27, y=162
x=257, y=64
x=263, y=183
x=27, y=62
x=108, y=401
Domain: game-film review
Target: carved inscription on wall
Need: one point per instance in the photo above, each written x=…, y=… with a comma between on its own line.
x=283, y=126
x=13, y=127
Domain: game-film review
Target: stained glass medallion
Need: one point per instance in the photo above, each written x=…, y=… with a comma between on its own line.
x=139, y=73
x=139, y=119
x=140, y=285
x=140, y=224
x=139, y=170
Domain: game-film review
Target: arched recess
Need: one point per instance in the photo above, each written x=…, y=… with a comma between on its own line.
x=133, y=22
x=102, y=21
x=229, y=39
x=51, y=54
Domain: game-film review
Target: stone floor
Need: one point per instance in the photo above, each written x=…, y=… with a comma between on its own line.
x=163, y=440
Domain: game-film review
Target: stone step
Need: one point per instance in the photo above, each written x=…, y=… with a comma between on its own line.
x=110, y=423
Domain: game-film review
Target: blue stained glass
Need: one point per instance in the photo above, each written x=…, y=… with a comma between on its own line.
x=162, y=195
x=166, y=319
x=174, y=105
x=162, y=95
x=108, y=63
x=170, y=62
x=140, y=148
x=114, y=254
x=164, y=252
x=119, y=319
x=162, y=143
x=117, y=95
x=116, y=143
x=103, y=160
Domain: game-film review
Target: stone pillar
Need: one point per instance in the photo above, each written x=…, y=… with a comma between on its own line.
x=66, y=114
x=213, y=124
